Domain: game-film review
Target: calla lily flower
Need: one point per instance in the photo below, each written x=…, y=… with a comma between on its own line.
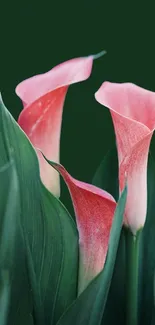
x=43, y=99
x=133, y=113
x=94, y=210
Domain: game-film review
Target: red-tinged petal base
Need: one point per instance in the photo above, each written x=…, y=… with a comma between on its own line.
x=41, y=121
x=43, y=97
x=94, y=210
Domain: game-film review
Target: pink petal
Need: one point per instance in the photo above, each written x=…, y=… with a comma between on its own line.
x=135, y=167
x=130, y=101
x=43, y=97
x=94, y=209
x=64, y=74
x=133, y=112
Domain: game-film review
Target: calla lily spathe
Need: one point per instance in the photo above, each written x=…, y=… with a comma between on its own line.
x=43, y=98
x=94, y=210
x=133, y=113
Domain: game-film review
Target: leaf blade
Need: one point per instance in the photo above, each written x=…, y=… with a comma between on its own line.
x=38, y=219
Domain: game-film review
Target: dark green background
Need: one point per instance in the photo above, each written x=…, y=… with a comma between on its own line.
x=37, y=35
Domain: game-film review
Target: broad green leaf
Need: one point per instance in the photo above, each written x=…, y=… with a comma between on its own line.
x=89, y=307
x=106, y=176
x=9, y=220
x=47, y=247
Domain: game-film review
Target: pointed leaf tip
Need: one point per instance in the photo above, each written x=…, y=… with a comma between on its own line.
x=99, y=55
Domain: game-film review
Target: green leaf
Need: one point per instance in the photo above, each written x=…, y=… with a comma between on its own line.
x=58, y=276
x=9, y=218
x=47, y=242
x=89, y=307
x=117, y=295
x=106, y=176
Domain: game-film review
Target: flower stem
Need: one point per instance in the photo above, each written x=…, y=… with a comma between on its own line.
x=132, y=268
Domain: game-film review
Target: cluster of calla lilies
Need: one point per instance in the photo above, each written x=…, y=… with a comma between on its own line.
x=132, y=111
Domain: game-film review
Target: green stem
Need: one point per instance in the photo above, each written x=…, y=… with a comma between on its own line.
x=132, y=268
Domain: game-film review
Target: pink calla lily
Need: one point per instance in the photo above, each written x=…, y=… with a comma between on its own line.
x=43, y=98
x=133, y=113
x=94, y=210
